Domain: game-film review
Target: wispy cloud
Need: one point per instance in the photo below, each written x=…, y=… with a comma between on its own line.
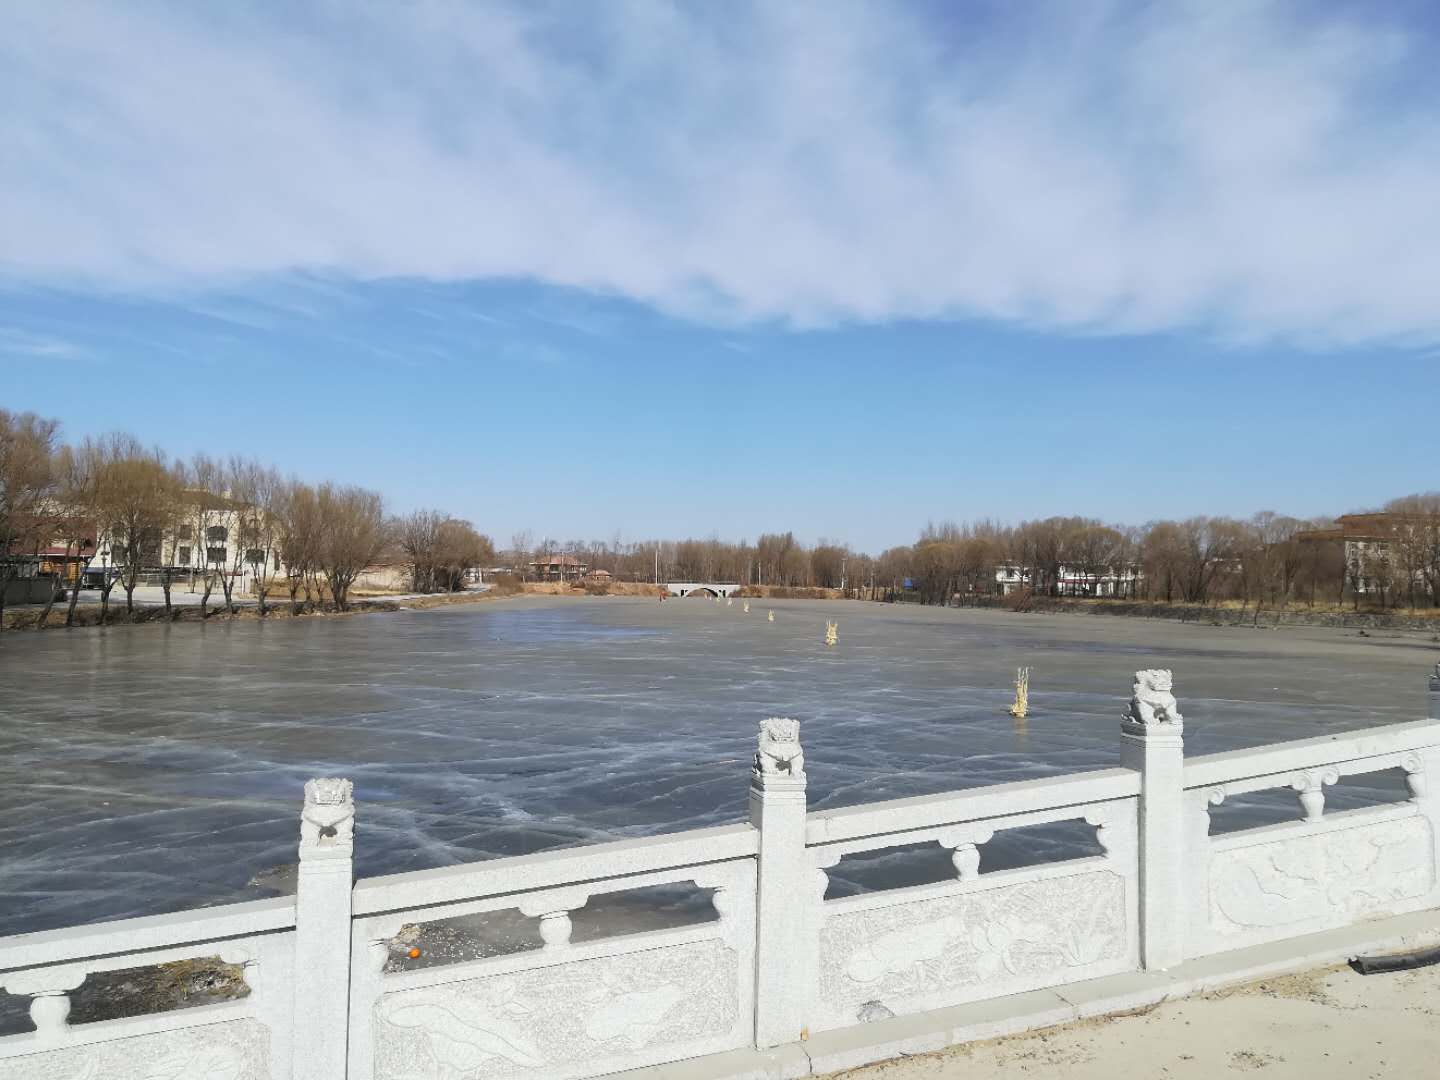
x=1261, y=170
x=21, y=343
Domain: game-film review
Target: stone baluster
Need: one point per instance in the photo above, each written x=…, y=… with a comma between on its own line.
x=1414, y=766
x=553, y=910
x=964, y=845
x=1202, y=800
x=49, y=1011
x=1115, y=841
x=49, y=992
x=786, y=907
x=1152, y=743
x=823, y=859
x=380, y=943
x=1309, y=784
x=723, y=901
x=555, y=929
x=322, y=928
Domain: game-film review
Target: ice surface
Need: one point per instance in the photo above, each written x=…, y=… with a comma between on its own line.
x=149, y=769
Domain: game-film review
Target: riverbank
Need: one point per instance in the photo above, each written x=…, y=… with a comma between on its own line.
x=185, y=607
x=1218, y=615
x=1329, y=1022
x=87, y=613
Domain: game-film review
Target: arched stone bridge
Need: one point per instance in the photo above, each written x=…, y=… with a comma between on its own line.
x=712, y=588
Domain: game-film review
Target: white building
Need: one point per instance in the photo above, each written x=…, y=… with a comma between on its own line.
x=1012, y=577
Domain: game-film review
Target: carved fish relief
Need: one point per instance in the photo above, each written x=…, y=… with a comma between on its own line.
x=896, y=950
x=1273, y=885
x=457, y=1043
x=635, y=1015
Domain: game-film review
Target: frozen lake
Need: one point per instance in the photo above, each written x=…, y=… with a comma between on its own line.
x=147, y=769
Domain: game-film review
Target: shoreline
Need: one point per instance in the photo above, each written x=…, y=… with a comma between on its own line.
x=1361, y=623
x=1260, y=618
x=87, y=614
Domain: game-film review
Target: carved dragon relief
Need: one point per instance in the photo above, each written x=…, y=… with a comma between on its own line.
x=551, y=1021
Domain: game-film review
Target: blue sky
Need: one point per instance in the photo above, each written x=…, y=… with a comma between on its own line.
x=691, y=269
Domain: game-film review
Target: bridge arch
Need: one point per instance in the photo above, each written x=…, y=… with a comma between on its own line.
x=711, y=589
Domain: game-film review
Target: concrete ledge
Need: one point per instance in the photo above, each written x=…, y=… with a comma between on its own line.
x=782, y=1063
x=862, y=1044
x=923, y=1033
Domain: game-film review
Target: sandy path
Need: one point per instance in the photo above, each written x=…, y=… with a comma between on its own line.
x=1317, y=1025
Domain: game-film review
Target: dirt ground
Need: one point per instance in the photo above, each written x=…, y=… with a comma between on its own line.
x=1312, y=1026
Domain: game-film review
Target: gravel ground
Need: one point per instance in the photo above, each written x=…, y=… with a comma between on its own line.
x=1320, y=1024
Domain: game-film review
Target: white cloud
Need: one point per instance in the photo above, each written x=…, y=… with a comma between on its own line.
x=25, y=345
x=1261, y=172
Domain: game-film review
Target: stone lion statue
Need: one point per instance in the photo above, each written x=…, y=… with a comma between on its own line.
x=779, y=753
x=328, y=815
x=1152, y=701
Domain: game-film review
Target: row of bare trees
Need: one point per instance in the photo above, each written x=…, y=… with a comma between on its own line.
x=214, y=523
x=774, y=559
x=317, y=540
x=1268, y=559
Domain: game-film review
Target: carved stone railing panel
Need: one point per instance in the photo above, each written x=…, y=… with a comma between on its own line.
x=578, y=1019
x=567, y=1010
x=1306, y=880
x=167, y=1035
x=948, y=949
x=233, y=1049
x=1327, y=870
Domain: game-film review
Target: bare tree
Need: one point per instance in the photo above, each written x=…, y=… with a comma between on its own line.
x=139, y=505
x=260, y=527
x=353, y=532
x=28, y=445
x=459, y=550
x=245, y=484
x=73, y=524
x=298, y=525
x=205, y=524
x=418, y=536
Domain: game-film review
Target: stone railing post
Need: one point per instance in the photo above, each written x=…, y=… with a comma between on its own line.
x=1152, y=744
x=49, y=992
x=1435, y=694
x=322, y=930
x=784, y=925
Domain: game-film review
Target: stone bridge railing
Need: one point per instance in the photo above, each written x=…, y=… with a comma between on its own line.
x=776, y=962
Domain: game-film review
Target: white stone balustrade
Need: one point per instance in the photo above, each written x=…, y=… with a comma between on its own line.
x=779, y=962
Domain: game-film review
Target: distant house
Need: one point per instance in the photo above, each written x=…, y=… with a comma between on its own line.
x=384, y=577
x=1010, y=578
x=598, y=577
x=558, y=568
x=1368, y=544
